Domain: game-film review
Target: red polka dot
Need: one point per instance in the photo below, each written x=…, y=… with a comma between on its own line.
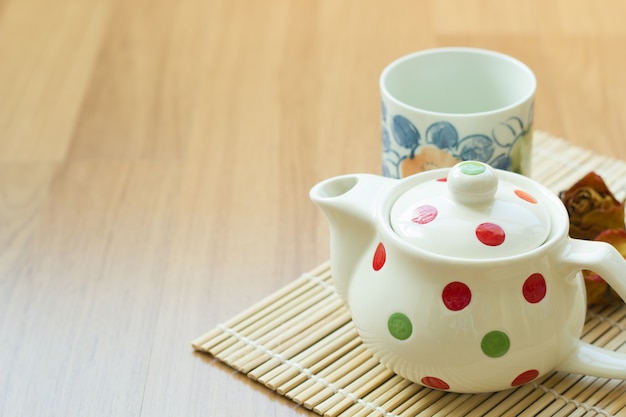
x=525, y=196
x=380, y=256
x=424, y=214
x=444, y=179
x=456, y=296
x=490, y=234
x=432, y=382
x=525, y=377
x=534, y=288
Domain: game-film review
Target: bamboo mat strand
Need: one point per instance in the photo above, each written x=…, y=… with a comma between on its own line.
x=301, y=343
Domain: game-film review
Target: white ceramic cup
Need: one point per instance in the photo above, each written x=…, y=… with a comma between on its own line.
x=446, y=105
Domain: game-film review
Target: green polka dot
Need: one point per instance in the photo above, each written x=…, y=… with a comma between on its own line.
x=495, y=344
x=472, y=168
x=399, y=326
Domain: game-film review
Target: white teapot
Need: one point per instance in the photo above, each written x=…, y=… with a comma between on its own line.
x=464, y=279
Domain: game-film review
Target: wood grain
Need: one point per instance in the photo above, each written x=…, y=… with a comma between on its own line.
x=156, y=157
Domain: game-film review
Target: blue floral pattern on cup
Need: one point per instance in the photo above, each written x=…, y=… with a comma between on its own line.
x=499, y=150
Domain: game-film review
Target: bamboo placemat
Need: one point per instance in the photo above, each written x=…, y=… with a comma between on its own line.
x=301, y=343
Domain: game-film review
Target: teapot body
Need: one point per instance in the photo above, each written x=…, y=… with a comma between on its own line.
x=448, y=309
x=466, y=326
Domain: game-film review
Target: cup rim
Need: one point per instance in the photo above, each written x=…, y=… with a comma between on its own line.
x=455, y=49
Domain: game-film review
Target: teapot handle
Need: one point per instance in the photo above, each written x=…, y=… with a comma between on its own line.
x=606, y=261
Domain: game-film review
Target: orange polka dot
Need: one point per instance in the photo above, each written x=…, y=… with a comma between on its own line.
x=525, y=196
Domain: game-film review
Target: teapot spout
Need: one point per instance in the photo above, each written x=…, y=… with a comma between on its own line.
x=349, y=203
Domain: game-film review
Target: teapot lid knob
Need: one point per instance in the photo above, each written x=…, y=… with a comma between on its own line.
x=472, y=183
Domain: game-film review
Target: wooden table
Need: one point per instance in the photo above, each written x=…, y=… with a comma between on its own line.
x=156, y=157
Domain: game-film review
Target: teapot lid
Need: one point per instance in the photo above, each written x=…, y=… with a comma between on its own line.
x=471, y=213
